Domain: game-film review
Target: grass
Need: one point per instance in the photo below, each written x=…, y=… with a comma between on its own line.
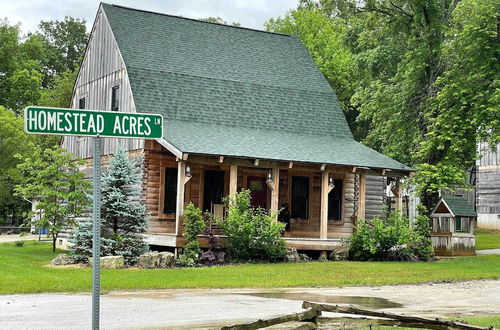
x=482, y=321
x=487, y=239
x=23, y=270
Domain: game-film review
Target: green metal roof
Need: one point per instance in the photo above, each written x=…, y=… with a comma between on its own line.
x=233, y=91
x=459, y=206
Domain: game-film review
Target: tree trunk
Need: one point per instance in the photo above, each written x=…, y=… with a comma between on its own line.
x=54, y=239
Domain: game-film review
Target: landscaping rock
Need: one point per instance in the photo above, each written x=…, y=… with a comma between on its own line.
x=292, y=255
x=110, y=262
x=167, y=259
x=339, y=254
x=63, y=260
x=148, y=260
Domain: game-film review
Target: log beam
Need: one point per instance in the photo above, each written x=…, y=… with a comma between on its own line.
x=399, y=195
x=325, y=189
x=179, y=207
x=233, y=180
x=275, y=177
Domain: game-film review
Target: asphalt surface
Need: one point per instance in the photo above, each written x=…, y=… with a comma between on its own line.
x=214, y=308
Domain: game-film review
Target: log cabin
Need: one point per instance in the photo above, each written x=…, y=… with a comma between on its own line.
x=243, y=109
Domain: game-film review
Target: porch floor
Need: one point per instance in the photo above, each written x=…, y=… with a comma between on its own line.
x=172, y=240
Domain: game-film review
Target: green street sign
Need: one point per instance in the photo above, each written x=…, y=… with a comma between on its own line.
x=58, y=121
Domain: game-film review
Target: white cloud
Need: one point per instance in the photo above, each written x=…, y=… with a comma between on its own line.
x=249, y=13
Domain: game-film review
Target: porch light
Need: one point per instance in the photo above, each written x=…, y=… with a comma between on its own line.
x=269, y=175
x=330, y=182
x=188, y=171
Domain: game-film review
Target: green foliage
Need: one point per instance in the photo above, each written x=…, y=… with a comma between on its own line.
x=19, y=244
x=421, y=75
x=252, y=234
x=391, y=239
x=123, y=215
x=52, y=178
x=59, y=96
x=193, y=226
x=13, y=141
x=64, y=43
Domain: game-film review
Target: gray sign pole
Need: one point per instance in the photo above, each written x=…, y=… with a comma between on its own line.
x=96, y=253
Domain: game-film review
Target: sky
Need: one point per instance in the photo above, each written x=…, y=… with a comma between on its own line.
x=249, y=13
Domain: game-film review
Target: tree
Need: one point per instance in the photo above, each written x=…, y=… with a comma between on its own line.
x=13, y=141
x=425, y=78
x=193, y=226
x=123, y=215
x=20, y=77
x=52, y=178
x=65, y=43
x=219, y=20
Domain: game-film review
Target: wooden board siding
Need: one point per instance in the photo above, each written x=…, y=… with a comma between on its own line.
x=102, y=69
x=488, y=187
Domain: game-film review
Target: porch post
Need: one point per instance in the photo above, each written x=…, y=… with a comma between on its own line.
x=233, y=180
x=275, y=172
x=362, y=196
x=179, y=208
x=399, y=195
x=323, y=223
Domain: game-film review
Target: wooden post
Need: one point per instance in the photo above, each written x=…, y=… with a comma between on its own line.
x=179, y=208
x=399, y=195
x=233, y=180
x=323, y=224
x=275, y=191
x=362, y=196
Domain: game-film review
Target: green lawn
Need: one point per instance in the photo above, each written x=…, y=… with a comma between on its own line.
x=487, y=239
x=484, y=321
x=23, y=270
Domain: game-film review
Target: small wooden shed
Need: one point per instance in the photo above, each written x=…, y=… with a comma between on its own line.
x=453, y=223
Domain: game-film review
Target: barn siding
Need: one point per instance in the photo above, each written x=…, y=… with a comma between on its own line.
x=102, y=68
x=488, y=187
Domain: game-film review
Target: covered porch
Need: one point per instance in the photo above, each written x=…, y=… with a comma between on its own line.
x=320, y=202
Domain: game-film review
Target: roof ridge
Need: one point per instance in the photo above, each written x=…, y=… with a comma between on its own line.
x=235, y=81
x=196, y=20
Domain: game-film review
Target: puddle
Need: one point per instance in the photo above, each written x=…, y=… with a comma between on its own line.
x=368, y=302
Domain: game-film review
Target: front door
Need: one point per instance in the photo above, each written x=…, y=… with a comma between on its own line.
x=258, y=188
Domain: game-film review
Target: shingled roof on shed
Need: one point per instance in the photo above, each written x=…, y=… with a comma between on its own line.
x=233, y=91
x=458, y=206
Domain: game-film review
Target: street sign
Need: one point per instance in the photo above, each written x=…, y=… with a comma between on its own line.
x=58, y=121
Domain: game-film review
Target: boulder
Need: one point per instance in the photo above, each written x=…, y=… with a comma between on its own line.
x=155, y=260
x=148, y=260
x=63, y=260
x=110, y=262
x=339, y=254
x=292, y=255
x=167, y=260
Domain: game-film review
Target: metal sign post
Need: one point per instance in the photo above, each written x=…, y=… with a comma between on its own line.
x=96, y=240
x=97, y=124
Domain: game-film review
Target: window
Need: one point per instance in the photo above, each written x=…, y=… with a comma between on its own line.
x=213, y=190
x=115, y=98
x=300, y=197
x=81, y=103
x=170, y=191
x=461, y=224
x=335, y=201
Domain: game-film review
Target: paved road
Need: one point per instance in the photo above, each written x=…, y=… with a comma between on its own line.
x=204, y=308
